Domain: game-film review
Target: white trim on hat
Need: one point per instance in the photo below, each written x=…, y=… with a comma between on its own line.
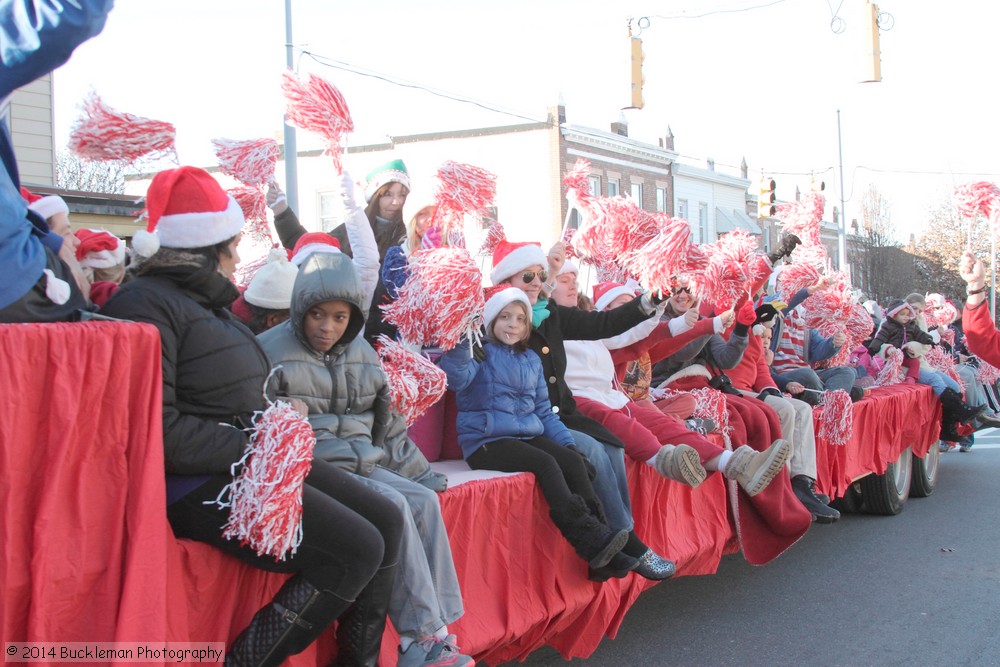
x=299, y=258
x=384, y=178
x=611, y=295
x=104, y=259
x=501, y=300
x=49, y=206
x=200, y=229
x=569, y=266
x=518, y=260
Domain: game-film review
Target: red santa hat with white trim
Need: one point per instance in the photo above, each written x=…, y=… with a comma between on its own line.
x=99, y=249
x=498, y=298
x=187, y=208
x=605, y=293
x=510, y=259
x=311, y=242
x=45, y=206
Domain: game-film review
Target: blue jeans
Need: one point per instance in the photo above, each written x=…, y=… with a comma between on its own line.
x=829, y=379
x=611, y=484
x=938, y=381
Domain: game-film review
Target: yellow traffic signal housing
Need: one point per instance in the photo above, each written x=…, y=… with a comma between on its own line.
x=817, y=186
x=637, y=56
x=766, y=198
x=873, y=59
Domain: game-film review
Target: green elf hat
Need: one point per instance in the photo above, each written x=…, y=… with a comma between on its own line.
x=390, y=172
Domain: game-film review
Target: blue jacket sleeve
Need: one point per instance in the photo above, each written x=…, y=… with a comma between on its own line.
x=820, y=348
x=459, y=366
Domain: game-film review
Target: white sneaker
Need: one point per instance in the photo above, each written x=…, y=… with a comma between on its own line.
x=754, y=470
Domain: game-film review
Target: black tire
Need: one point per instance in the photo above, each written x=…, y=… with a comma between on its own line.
x=885, y=494
x=850, y=503
x=925, y=473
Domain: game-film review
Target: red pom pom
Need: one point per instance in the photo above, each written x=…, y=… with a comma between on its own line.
x=250, y=162
x=835, y=418
x=253, y=202
x=463, y=189
x=729, y=271
x=265, y=500
x=103, y=133
x=803, y=218
x=317, y=106
x=978, y=198
x=892, y=372
x=659, y=262
x=414, y=382
x=441, y=302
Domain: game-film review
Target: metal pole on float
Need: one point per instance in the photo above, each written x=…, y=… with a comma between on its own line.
x=291, y=149
x=842, y=226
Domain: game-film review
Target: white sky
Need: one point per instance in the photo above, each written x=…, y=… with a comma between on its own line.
x=764, y=84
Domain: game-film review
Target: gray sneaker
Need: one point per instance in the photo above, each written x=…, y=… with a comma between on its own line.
x=704, y=426
x=754, y=470
x=434, y=652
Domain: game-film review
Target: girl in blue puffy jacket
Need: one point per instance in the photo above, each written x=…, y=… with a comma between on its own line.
x=507, y=423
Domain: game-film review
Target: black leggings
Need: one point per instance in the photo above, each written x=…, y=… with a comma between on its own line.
x=348, y=530
x=560, y=471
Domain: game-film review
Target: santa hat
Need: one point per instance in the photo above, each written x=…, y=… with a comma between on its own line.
x=896, y=306
x=312, y=242
x=390, y=172
x=498, y=298
x=99, y=249
x=187, y=208
x=605, y=293
x=46, y=206
x=934, y=300
x=271, y=285
x=512, y=258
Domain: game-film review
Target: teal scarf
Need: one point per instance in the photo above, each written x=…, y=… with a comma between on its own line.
x=539, y=312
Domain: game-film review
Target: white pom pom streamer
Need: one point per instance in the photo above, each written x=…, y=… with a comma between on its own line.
x=414, y=382
x=892, y=372
x=265, y=499
x=251, y=162
x=105, y=134
x=835, y=418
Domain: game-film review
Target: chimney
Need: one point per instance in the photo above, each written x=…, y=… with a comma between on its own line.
x=557, y=113
x=711, y=164
x=744, y=169
x=621, y=126
x=668, y=140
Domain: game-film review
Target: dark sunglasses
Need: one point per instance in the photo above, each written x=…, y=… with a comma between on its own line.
x=529, y=276
x=686, y=290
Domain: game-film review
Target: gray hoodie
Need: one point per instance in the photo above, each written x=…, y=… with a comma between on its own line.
x=345, y=389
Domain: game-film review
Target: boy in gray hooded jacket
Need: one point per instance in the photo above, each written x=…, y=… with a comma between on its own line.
x=320, y=359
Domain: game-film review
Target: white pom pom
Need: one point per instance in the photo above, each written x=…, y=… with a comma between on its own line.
x=145, y=243
x=758, y=329
x=279, y=255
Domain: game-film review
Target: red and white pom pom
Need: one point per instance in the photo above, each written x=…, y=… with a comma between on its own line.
x=463, y=189
x=105, y=134
x=892, y=372
x=835, y=418
x=494, y=235
x=414, y=382
x=829, y=310
x=978, y=198
x=986, y=373
x=253, y=202
x=250, y=162
x=317, y=106
x=803, y=218
x=659, y=262
x=941, y=361
x=265, y=499
x=441, y=302
x=577, y=179
x=709, y=404
x=730, y=270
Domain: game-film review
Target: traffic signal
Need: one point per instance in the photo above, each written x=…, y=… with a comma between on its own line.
x=766, y=199
x=636, y=57
x=873, y=58
x=816, y=185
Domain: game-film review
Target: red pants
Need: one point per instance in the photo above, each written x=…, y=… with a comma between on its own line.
x=644, y=429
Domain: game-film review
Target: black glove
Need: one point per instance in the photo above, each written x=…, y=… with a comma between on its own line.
x=478, y=353
x=657, y=297
x=769, y=391
x=591, y=470
x=788, y=244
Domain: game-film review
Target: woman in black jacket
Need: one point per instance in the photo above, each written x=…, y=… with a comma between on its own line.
x=213, y=377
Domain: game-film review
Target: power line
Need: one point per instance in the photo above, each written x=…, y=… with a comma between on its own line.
x=738, y=10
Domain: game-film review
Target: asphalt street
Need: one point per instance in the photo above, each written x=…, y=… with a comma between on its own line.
x=918, y=588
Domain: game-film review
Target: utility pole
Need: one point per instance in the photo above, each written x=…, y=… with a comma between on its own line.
x=291, y=149
x=841, y=226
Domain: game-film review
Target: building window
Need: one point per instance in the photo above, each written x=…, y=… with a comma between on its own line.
x=661, y=200
x=702, y=222
x=682, y=208
x=612, y=187
x=328, y=210
x=595, y=186
x=636, y=191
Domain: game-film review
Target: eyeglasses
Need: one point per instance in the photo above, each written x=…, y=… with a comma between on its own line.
x=529, y=276
x=686, y=290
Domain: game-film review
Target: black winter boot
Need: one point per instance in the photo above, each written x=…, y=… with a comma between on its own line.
x=805, y=490
x=593, y=540
x=359, y=634
x=952, y=401
x=298, y=614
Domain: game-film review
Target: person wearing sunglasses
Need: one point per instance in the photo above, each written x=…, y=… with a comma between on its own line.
x=526, y=266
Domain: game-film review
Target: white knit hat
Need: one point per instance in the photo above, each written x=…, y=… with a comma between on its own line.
x=271, y=286
x=500, y=299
